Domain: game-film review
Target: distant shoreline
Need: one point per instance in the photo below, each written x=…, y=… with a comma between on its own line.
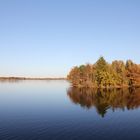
x=29, y=78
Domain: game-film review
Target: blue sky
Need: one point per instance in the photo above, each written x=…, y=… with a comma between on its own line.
x=45, y=38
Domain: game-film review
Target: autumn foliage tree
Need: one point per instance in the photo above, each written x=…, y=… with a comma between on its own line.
x=105, y=75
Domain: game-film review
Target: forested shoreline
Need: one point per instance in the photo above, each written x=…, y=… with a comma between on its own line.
x=118, y=74
x=27, y=78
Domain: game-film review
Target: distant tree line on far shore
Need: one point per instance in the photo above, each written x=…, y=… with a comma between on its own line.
x=104, y=75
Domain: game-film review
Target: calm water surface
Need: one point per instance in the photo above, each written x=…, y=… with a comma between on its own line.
x=52, y=110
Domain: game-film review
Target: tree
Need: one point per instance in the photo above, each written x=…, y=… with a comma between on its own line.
x=105, y=75
x=133, y=73
x=74, y=76
x=120, y=70
x=101, y=64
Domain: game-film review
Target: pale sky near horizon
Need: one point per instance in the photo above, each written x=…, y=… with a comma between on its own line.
x=46, y=38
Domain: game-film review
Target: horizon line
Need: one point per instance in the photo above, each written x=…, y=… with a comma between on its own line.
x=30, y=78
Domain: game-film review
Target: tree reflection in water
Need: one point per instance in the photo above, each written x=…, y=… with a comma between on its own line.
x=103, y=99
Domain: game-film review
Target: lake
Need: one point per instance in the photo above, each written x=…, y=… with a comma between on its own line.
x=53, y=110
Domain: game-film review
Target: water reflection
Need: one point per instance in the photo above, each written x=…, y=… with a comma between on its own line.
x=10, y=80
x=103, y=100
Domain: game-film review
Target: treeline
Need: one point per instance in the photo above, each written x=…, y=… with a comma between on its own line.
x=27, y=78
x=104, y=75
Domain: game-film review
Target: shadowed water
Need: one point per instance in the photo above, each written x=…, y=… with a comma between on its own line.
x=49, y=110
